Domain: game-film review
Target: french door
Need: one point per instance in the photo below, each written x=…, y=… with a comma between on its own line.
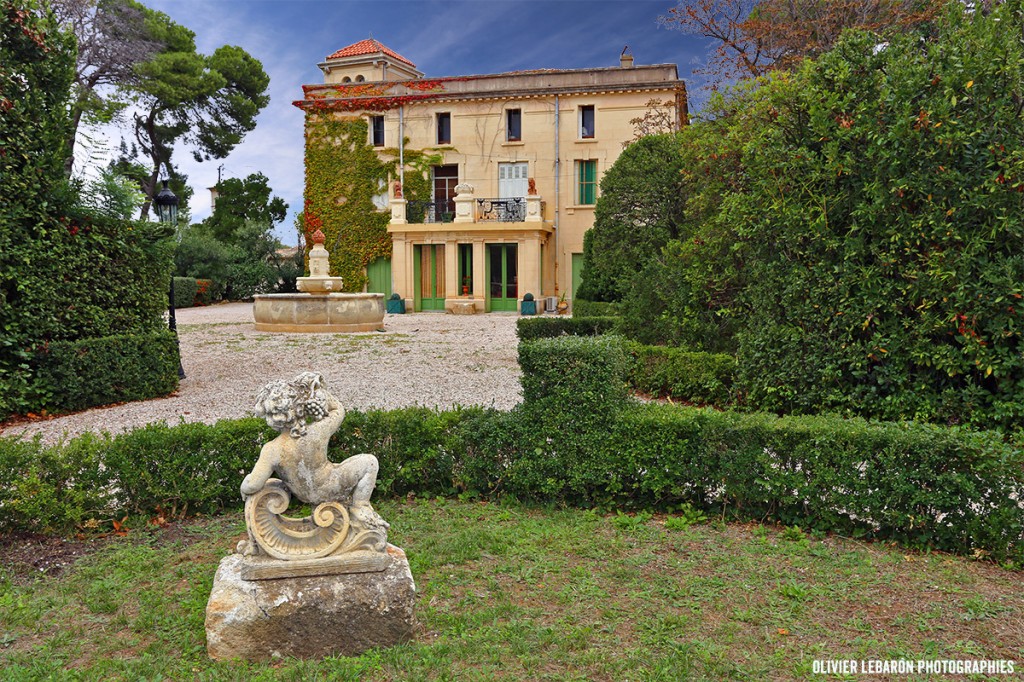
x=429, y=277
x=503, y=276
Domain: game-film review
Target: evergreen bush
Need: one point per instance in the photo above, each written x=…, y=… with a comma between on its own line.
x=583, y=308
x=185, y=291
x=884, y=227
x=75, y=375
x=693, y=377
x=530, y=328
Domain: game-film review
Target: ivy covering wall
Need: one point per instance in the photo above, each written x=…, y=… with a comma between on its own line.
x=343, y=174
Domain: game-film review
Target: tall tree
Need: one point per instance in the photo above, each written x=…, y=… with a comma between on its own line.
x=207, y=102
x=753, y=37
x=241, y=201
x=640, y=209
x=113, y=37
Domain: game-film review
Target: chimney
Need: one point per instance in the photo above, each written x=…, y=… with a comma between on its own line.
x=626, y=58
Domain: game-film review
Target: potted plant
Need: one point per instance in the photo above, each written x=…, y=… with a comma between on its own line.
x=563, y=305
x=465, y=285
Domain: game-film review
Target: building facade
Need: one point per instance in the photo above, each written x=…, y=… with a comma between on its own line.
x=521, y=156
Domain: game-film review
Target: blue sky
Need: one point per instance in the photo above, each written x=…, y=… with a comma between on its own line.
x=450, y=38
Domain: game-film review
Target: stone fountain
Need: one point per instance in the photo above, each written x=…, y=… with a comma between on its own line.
x=321, y=306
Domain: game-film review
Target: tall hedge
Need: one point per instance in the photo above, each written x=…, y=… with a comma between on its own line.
x=66, y=274
x=36, y=72
x=885, y=231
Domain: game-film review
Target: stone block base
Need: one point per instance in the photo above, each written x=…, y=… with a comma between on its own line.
x=462, y=308
x=309, y=617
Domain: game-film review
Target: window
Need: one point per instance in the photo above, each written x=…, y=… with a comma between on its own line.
x=513, y=125
x=444, y=128
x=586, y=182
x=359, y=78
x=466, y=268
x=587, y=121
x=377, y=131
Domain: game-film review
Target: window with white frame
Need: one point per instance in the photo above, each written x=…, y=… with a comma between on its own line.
x=377, y=131
x=587, y=122
x=444, y=128
x=513, y=125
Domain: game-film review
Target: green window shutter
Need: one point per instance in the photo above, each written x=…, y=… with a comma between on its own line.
x=587, y=182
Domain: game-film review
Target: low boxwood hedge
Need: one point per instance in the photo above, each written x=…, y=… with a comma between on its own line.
x=693, y=377
x=529, y=328
x=107, y=370
x=576, y=439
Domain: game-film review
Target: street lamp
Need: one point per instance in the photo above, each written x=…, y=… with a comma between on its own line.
x=167, y=210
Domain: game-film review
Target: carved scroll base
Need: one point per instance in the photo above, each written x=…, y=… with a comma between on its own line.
x=267, y=568
x=336, y=538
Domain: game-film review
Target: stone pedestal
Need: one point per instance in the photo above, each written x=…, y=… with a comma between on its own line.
x=462, y=308
x=309, y=617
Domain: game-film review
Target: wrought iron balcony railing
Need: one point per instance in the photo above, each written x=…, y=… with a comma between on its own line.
x=501, y=210
x=430, y=211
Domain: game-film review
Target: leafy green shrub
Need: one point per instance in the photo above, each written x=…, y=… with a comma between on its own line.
x=583, y=308
x=185, y=290
x=640, y=209
x=919, y=484
x=578, y=378
x=66, y=272
x=45, y=489
x=89, y=372
x=902, y=298
x=418, y=448
x=702, y=378
x=529, y=328
x=188, y=468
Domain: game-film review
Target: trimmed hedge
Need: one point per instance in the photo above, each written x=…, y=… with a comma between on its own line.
x=584, y=308
x=577, y=439
x=529, y=328
x=185, y=290
x=693, y=377
x=107, y=370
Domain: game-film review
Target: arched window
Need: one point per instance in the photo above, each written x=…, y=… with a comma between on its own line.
x=346, y=79
x=359, y=78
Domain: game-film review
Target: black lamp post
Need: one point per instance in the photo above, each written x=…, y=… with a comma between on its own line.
x=167, y=210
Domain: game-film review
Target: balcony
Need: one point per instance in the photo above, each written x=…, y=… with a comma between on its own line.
x=486, y=213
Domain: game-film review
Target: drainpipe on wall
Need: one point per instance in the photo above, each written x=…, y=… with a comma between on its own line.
x=558, y=178
x=401, y=146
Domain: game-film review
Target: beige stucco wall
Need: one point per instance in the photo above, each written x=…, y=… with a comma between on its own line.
x=550, y=145
x=478, y=145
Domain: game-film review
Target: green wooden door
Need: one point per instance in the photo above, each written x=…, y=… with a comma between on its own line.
x=577, y=273
x=379, y=275
x=502, y=277
x=429, y=277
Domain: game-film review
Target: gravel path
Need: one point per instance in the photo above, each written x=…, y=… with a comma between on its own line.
x=427, y=359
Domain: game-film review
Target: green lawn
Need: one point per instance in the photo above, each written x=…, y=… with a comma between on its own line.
x=509, y=592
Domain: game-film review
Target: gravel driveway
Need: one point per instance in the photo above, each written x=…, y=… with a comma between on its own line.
x=429, y=359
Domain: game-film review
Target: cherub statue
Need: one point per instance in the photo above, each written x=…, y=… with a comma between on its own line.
x=306, y=415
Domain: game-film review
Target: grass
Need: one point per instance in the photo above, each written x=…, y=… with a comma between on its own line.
x=513, y=593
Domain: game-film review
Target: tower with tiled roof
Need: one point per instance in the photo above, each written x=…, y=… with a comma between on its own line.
x=367, y=61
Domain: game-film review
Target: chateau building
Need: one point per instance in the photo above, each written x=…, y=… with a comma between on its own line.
x=520, y=158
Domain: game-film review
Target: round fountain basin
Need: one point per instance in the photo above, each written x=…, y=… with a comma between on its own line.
x=328, y=313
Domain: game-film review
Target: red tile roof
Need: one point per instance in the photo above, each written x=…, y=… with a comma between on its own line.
x=369, y=46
